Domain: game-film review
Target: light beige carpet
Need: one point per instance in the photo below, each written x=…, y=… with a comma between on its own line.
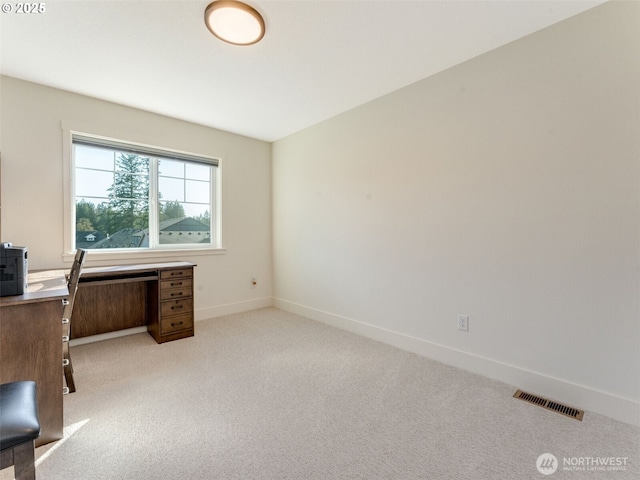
x=271, y=395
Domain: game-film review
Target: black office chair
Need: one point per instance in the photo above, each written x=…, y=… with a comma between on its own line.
x=19, y=428
x=72, y=285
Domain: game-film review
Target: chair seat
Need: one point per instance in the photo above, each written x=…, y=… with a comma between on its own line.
x=19, y=421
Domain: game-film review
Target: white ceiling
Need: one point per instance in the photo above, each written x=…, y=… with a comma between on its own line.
x=318, y=58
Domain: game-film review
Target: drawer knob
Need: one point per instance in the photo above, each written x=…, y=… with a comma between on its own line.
x=177, y=307
x=176, y=294
x=176, y=284
x=175, y=324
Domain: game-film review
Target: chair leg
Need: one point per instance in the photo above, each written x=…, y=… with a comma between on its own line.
x=68, y=368
x=24, y=461
x=68, y=376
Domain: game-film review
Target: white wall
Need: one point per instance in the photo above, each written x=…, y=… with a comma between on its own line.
x=31, y=142
x=507, y=189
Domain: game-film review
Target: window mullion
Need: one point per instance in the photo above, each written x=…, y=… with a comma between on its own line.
x=153, y=203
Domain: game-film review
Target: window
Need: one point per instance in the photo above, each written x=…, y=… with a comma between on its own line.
x=136, y=197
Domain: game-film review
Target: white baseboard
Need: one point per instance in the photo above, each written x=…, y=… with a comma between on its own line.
x=230, y=308
x=579, y=396
x=106, y=336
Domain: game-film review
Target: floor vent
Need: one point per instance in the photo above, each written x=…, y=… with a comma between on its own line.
x=550, y=405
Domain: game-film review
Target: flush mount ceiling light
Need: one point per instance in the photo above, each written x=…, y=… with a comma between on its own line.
x=234, y=22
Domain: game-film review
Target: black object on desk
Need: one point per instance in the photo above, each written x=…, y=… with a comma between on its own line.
x=13, y=269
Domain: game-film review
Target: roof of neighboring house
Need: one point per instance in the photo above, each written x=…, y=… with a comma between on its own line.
x=125, y=238
x=187, y=224
x=184, y=230
x=172, y=231
x=81, y=238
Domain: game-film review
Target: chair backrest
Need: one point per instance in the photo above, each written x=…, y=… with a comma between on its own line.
x=72, y=283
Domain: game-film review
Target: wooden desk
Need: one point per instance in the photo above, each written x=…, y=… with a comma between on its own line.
x=158, y=295
x=108, y=299
x=31, y=345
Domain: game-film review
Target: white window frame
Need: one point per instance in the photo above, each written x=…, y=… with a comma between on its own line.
x=159, y=251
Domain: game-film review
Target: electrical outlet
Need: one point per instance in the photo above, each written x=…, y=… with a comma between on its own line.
x=463, y=323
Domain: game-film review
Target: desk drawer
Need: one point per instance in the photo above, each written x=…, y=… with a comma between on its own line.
x=176, y=323
x=168, y=294
x=168, y=274
x=176, y=283
x=176, y=307
x=175, y=293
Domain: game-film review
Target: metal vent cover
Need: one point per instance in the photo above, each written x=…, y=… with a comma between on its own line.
x=550, y=405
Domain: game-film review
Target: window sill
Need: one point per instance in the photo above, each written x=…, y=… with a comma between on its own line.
x=101, y=256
